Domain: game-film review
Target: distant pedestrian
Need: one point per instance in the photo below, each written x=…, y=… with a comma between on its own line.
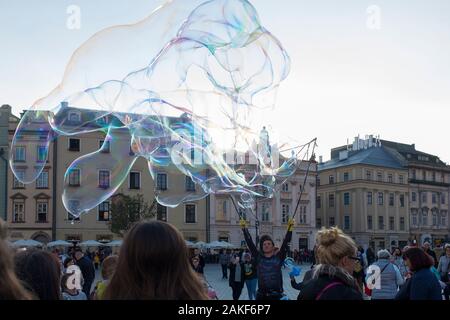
x=224, y=260
x=87, y=270
x=237, y=276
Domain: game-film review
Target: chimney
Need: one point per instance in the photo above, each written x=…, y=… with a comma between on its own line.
x=320, y=159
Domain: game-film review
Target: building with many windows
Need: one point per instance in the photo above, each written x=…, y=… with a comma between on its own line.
x=363, y=189
x=385, y=193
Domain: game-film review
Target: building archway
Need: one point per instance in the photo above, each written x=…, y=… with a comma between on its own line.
x=41, y=237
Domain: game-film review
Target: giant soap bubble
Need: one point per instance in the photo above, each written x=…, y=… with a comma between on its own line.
x=187, y=89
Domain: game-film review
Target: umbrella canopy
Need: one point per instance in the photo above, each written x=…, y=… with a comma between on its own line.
x=115, y=243
x=215, y=245
x=189, y=243
x=59, y=243
x=27, y=243
x=199, y=244
x=226, y=244
x=90, y=243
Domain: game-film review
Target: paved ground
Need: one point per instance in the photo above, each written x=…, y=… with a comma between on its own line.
x=213, y=274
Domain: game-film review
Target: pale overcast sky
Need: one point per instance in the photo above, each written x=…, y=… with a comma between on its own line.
x=346, y=78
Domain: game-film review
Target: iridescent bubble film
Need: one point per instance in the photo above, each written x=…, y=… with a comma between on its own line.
x=188, y=89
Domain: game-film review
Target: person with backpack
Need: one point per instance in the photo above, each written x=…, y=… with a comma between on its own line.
x=389, y=278
x=332, y=279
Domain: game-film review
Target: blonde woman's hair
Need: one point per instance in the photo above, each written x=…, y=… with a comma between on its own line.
x=333, y=245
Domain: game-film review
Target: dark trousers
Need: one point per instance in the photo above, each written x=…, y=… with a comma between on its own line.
x=237, y=289
x=447, y=292
x=224, y=271
x=87, y=288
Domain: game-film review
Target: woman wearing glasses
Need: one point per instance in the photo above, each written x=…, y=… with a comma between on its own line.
x=332, y=279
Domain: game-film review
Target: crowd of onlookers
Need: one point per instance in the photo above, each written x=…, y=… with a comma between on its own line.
x=154, y=263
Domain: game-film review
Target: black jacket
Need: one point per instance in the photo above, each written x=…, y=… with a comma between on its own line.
x=232, y=267
x=340, y=286
x=87, y=269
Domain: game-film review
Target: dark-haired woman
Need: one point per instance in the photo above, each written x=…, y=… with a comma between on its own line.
x=40, y=273
x=154, y=264
x=423, y=284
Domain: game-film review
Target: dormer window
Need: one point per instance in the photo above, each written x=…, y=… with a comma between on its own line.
x=75, y=116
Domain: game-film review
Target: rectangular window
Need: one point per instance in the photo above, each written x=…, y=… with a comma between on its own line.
x=413, y=197
x=346, y=176
x=331, y=221
x=161, y=181
x=401, y=180
x=318, y=223
x=19, y=212
x=284, y=213
x=135, y=180
x=390, y=178
x=189, y=184
x=402, y=200
x=346, y=222
x=265, y=212
x=161, y=213
x=391, y=223
x=379, y=177
x=402, y=223
x=103, y=179
x=391, y=199
x=369, y=223
x=74, y=206
x=424, y=175
x=433, y=176
x=413, y=173
x=318, y=202
x=331, y=179
x=104, y=211
x=381, y=222
x=41, y=153
x=42, y=180
x=16, y=183
x=369, y=175
x=318, y=181
x=74, y=144
x=433, y=197
x=190, y=213
x=369, y=198
x=424, y=197
x=442, y=198
x=105, y=147
x=74, y=177
x=346, y=198
x=414, y=219
x=19, y=154
x=331, y=200
x=380, y=198
x=41, y=212
x=285, y=187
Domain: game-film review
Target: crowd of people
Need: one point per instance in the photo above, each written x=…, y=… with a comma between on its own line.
x=147, y=268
